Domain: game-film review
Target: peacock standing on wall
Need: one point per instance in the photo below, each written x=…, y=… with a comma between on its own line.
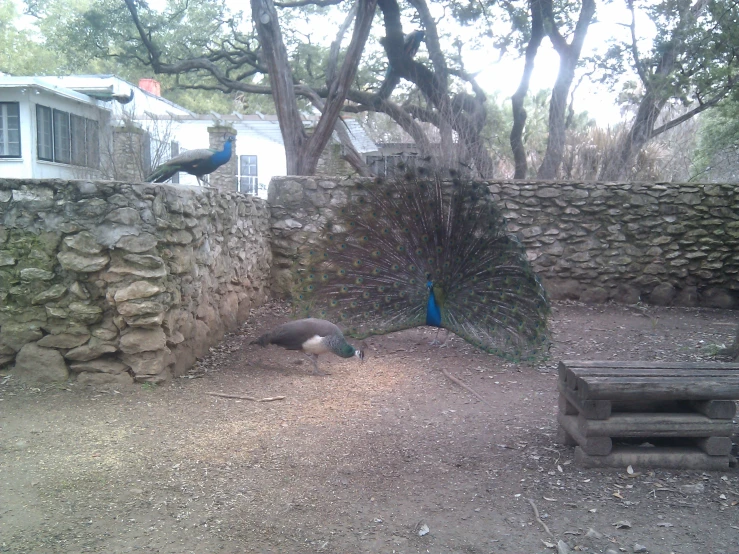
x=420, y=250
x=200, y=162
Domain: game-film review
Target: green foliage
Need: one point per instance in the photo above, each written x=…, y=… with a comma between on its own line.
x=699, y=41
x=22, y=52
x=717, y=154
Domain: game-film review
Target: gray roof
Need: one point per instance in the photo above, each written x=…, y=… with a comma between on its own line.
x=361, y=141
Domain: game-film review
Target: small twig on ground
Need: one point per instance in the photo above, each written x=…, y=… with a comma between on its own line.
x=536, y=514
x=268, y=399
x=465, y=387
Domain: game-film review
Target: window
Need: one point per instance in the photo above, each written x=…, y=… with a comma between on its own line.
x=67, y=138
x=248, y=181
x=62, y=137
x=45, y=140
x=10, y=130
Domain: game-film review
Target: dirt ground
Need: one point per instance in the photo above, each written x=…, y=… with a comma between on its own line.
x=389, y=456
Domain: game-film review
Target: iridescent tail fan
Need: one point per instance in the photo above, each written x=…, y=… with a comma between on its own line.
x=420, y=250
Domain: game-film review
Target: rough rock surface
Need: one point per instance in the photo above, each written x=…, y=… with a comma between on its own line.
x=124, y=281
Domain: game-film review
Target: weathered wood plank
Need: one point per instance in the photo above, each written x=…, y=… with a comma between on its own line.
x=647, y=365
x=563, y=437
x=592, y=409
x=647, y=372
x=664, y=388
x=715, y=409
x=561, y=371
x=715, y=446
x=655, y=425
x=670, y=458
x=596, y=446
x=565, y=406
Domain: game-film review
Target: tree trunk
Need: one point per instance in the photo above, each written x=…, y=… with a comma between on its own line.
x=519, y=113
x=618, y=166
x=302, y=151
x=294, y=136
x=448, y=114
x=642, y=129
x=569, y=55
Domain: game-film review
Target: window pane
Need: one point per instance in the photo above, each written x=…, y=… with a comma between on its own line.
x=77, y=128
x=248, y=185
x=10, y=132
x=92, y=144
x=43, y=133
x=248, y=165
x=248, y=181
x=62, y=141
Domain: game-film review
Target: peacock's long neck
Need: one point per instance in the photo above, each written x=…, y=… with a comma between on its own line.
x=433, y=309
x=222, y=156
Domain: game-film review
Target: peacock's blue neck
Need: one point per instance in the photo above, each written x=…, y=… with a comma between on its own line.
x=222, y=156
x=433, y=311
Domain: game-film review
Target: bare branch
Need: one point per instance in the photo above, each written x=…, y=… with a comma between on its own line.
x=333, y=56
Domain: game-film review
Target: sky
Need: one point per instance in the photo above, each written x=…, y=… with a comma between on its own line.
x=503, y=76
x=595, y=98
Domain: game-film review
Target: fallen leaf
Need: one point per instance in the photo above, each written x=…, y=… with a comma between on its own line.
x=618, y=495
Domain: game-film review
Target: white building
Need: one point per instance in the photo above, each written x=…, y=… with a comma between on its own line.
x=58, y=127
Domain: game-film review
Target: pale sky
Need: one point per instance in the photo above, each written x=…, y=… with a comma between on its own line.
x=504, y=76
x=596, y=99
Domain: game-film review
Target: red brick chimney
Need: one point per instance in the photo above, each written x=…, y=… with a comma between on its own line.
x=150, y=85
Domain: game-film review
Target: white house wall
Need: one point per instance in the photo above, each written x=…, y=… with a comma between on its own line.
x=29, y=164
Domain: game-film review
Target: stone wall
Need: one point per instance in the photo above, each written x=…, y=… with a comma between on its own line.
x=119, y=282
x=661, y=243
x=223, y=178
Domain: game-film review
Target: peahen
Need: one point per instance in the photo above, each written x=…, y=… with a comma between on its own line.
x=411, y=43
x=108, y=96
x=416, y=251
x=195, y=162
x=313, y=337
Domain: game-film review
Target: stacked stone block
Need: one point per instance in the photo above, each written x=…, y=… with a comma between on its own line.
x=118, y=282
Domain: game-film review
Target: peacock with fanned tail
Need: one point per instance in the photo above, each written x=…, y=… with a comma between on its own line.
x=421, y=250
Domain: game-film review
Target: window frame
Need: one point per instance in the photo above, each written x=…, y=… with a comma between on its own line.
x=251, y=178
x=6, y=130
x=42, y=133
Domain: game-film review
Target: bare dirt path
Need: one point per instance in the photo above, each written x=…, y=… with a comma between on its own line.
x=381, y=457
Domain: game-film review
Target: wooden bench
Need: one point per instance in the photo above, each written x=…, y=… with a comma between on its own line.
x=684, y=411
